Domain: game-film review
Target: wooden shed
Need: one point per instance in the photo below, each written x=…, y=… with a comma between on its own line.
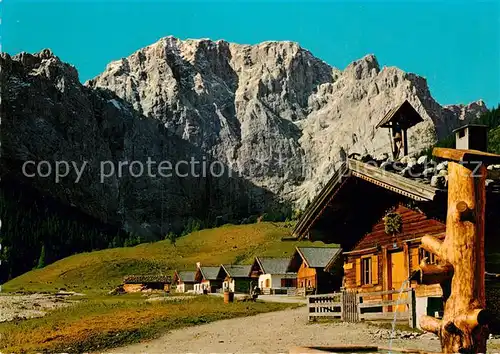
x=272, y=275
x=236, y=278
x=319, y=269
x=206, y=279
x=353, y=209
x=184, y=280
x=136, y=283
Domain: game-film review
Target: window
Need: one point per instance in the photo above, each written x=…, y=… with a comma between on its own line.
x=431, y=257
x=366, y=271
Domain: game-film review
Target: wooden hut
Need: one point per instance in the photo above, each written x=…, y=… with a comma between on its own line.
x=353, y=209
x=206, y=279
x=378, y=211
x=136, y=283
x=236, y=278
x=319, y=269
x=272, y=275
x=184, y=280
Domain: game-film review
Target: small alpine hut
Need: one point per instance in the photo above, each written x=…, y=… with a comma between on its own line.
x=319, y=269
x=379, y=210
x=236, y=277
x=184, y=280
x=206, y=279
x=136, y=283
x=272, y=275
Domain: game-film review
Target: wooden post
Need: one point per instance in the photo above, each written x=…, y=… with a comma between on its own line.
x=412, y=309
x=405, y=141
x=462, y=265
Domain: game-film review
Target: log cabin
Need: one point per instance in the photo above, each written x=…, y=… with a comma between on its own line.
x=206, y=279
x=136, y=283
x=236, y=278
x=272, y=276
x=378, y=210
x=318, y=269
x=184, y=280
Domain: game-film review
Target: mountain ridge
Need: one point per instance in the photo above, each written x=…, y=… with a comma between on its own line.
x=278, y=116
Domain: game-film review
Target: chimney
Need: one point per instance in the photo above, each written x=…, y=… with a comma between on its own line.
x=472, y=137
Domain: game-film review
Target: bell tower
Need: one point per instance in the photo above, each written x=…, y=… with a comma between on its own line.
x=398, y=120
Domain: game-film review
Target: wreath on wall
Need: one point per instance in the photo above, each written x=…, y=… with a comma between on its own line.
x=393, y=223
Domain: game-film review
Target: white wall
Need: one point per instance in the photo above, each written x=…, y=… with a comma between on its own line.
x=229, y=284
x=262, y=281
x=274, y=280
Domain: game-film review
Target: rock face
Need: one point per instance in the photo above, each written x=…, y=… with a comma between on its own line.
x=50, y=116
x=272, y=113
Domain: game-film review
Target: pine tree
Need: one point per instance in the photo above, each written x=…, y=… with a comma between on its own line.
x=41, y=260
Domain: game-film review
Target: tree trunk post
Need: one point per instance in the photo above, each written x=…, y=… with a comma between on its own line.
x=461, y=272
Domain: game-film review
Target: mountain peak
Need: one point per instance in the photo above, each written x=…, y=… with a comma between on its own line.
x=364, y=68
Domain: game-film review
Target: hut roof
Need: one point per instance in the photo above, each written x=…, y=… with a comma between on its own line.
x=209, y=273
x=404, y=114
x=237, y=271
x=357, y=170
x=186, y=276
x=318, y=257
x=273, y=265
x=141, y=279
x=360, y=193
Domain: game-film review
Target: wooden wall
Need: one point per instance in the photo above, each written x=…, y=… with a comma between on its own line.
x=415, y=225
x=352, y=273
x=306, y=277
x=381, y=274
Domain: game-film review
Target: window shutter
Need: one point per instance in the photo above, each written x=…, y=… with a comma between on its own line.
x=375, y=269
x=358, y=271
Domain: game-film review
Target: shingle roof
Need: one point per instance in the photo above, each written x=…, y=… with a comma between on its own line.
x=237, y=271
x=404, y=113
x=210, y=273
x=318, y=257
x=273, y=265
x=187, y=276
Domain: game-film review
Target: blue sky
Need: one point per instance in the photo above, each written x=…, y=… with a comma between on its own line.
x=454, y=44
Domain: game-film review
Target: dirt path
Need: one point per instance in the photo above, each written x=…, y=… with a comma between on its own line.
x=274, y=332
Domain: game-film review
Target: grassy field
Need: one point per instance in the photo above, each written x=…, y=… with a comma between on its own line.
x=102, y=322
x=103, y=270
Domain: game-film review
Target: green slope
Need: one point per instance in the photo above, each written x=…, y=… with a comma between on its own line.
x=102, y=270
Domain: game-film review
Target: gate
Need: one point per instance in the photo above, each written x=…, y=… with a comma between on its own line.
x=350, y=306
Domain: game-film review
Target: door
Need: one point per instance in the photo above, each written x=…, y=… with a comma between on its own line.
x=398, y=276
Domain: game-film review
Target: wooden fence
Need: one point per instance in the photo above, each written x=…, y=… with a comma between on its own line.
x=351, y=306
x=387, y=305
x=327, y=305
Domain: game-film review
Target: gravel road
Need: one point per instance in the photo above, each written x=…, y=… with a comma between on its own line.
x=33, y=305
x=275, y=332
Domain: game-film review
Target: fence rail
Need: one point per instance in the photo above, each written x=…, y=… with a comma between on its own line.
x=328, y=305
x=351, y=306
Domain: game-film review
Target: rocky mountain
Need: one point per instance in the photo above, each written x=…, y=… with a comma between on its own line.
x=276, y=117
